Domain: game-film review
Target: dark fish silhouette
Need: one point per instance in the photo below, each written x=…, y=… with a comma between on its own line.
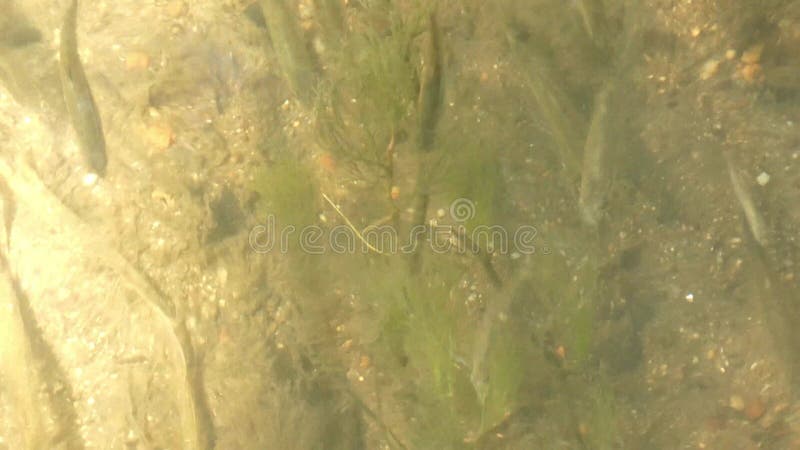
x=78, y=96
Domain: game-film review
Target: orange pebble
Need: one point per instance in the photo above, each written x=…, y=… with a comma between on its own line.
x=755, y=409
x=753, y=54
x=395, y=193
x=751, y=72
x=160, y=135
x=327, y=162
x=137, y=61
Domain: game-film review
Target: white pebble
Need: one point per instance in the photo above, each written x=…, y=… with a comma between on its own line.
x=90, y=179
x=763, y=178
x=736, y=403
x=222, y=275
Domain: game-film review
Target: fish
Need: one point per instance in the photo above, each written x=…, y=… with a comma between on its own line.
x=428, y=106
x=594, y=175
x=290, y=48
x=78, y=96
x=755, y=221
x=430, y=85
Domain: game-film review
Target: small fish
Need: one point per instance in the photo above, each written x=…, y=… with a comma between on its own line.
x=430, y=85
x=78, y=96
x=288, y=42
x=594, y=176
x=756, y=222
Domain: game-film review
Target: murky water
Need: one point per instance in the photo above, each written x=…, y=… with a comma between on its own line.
x=324, y=224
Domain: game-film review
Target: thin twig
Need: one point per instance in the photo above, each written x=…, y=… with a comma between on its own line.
x=350, y=224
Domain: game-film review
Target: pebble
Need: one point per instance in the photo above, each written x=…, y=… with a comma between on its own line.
x=131, y=439
x=222, y=275
x=709, y=69
x=160, y=135
x=327, y=162
x=751, y=72
x=753, y=54
x=90, y=179
x=755, y=409
x=136, y=60
x=736, y=402
x=762, y=179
